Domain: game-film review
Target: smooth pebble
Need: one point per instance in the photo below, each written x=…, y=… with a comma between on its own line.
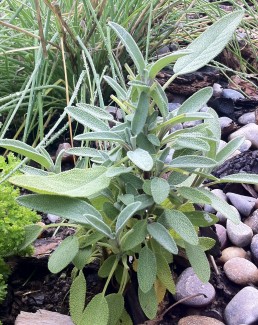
x=254, y=249
x=244, y=204
x=246, y=145
x=239, y=235
x=199, y=320
x=241, y=271
x=189, y=284
x=222, y=235
x=247, y=118
x=231, y=252
x=249, y=131
x=243, y=308
x=252, y=221
x=232, y=94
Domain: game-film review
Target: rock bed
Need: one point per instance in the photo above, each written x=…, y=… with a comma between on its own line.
x=236, y=272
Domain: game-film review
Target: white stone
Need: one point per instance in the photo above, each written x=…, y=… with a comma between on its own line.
x=247, y=118
x=249, y=131
x=240, y=235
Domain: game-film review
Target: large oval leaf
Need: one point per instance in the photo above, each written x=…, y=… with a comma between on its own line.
x=73, y=183
x=159, y=189
x=64, y=254
x=147, y=269
x=125, y=215
x=65, y=207
x=141, y=158
x=209, y=44
x=77, y=297
x=27, y=151
x=116, y=306
x=192, y=161
x=148, y=302
x=96, y=312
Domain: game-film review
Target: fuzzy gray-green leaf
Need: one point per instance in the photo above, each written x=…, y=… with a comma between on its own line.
x=99, y=225
x=77, y=297
x=162, y=236
x=159, y=189
x=100, y=136
x=148, y=302
x=141, y=158
x=147, y=269
x=135, y=236
x=96, y=312
x=196, y=101
x=209, y=44
x=182, y=225
x=26, y=150
x=125, y=215
x=141, y=113
x=198, y=261
x=64, y=254
x=121, y=93
x=116, y=306
x=192, y=161
x=229, y=149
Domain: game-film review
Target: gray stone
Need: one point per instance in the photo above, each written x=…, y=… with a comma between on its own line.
x=241, y=271
x=189, y=284
x=173, y=106
x=246, y=145
x=191, y=124
x=244, y=204
x=249, y=131
x=217, y=90
x=53, y=218
x=247, y=118
x=219, y=193
x=254, y=249
x=243, y=308
x=252, y=222
x=199, y=320
x=231, y=252
x=225, y=123
x=222, y=235
x=232, y=94
x=239, y=235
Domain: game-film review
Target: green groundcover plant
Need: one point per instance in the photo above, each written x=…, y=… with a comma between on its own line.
x=13, y=219
x=131, y=201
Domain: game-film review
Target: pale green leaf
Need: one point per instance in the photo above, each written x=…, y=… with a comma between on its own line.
x=165, y=61
x=116, y=171
x=195, y=102
x=191, y=161
x=121, y=93
x=82, y=257
x=164, y=274
x=209, y=44
x=193, y=143
x=229, y=149
x=73, y=183
x=65, y=207
x=162, y=236
x=31, y=233
x=147, y=269
x=125, y=215
x=100, y=136
x=139, y=85
x=64, y=254
x=201, y=218
x=106, y=266
x=141, y=158
x=96, y=312
x=182, y=225
x=99, y=225
x=77, y=297
x=198, y=261
x=206, y=243
x=95, y=111
x=87, y=119
x=130, y=45
x=84, y=152
x=240, y=178
x=159, y=189
x=141, y=113
x=160, y=98
x=116, y=306
x=148, y=302
x=134, y=236
x=26, y=150
x=125, y=319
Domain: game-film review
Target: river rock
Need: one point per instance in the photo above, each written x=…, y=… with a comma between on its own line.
x=189, y=284
x=219, y=193
x=226, y=124
x=199, y=320
x=223, y=219
x=249, y=131
x=231, y=252
x=222, y=235
x=246, y=145
x=243, y=308
x=241, y=271
x=252, y=222
x=232, y=94
x=247, y=118
x=239, y=235
x=254, y=249
x=244, y=204
x=217, y=90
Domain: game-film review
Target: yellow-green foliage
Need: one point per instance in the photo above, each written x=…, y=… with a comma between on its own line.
x=13, y=217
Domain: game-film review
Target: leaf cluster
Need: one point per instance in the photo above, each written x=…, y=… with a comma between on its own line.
x=134, y=207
